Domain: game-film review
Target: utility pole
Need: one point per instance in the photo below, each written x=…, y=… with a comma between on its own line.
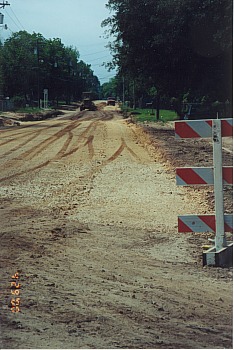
x=3, y=4
x=36, y=52
x=134, y=97
x=123, y=91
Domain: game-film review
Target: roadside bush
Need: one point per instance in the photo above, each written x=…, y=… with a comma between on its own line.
x=18, y=101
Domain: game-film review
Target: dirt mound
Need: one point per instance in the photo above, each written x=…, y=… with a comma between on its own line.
x=4, y=122
x=40, y=116
x=101, y=105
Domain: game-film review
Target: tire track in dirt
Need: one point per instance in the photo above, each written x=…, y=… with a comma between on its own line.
x=35, y=134
x=22, y=134
x=7, y=132
x=92, y=127
x=58, y=155
x=30, y=154
x=102, y=164
x=19, y=137
x=65, y=146
x=120, y=150
x=62, y=151
x=33, y=152
x=117, y=153
x=90, y=116
x=89, y=143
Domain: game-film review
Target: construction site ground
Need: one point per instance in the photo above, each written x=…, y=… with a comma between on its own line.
x=88, y=220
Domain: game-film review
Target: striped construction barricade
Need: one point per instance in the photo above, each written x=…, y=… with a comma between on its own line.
x=218, y=176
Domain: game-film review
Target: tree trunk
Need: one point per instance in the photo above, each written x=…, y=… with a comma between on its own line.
x=157, y=106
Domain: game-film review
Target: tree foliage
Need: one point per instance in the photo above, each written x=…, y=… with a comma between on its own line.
x=112, y=88
x=30, y=63
x=176, y=46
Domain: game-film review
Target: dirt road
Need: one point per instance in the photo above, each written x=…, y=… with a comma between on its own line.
x=88, y=212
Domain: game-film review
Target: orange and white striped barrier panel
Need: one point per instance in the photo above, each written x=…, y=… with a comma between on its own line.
x=217, y=176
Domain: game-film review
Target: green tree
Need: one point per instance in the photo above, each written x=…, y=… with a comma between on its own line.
x=111, y=88
x=31, y=63
x=174, y=45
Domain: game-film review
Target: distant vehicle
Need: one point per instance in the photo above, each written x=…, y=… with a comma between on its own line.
x=110, y=101
x=87, y=103
x=193, y=111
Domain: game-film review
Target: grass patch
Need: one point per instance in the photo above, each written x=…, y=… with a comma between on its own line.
x=149, y=115
x=29, y=110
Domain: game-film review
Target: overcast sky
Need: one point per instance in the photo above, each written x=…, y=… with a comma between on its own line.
x=76, y=22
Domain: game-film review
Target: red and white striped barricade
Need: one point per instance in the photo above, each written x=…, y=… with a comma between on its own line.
x=202, y=176
x=221, y=253
x=202, y=128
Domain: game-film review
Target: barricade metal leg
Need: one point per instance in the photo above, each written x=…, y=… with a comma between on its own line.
x=222, y=253
x=220, y=240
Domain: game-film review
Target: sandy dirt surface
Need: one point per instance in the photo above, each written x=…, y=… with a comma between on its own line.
x=88, y=215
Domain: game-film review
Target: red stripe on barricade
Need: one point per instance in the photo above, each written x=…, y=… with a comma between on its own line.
x=189, y=176
x=193, y=176
x=209, y=122
x=182, y=129
x=227, y=129
x=228, y=228
x=228, y=174
x=203, y=223
x=209, y=220
x=194, y=224
x=182, y=227
x=185, y=129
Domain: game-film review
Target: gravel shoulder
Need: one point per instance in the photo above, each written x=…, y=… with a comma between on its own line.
x=88, y=211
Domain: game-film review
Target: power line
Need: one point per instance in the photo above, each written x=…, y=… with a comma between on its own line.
x=92, y=44
x=94, y=53
x=13, y=20
x=99, y=58
x=110, y=76
x=17, y=18
x=10, y=30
